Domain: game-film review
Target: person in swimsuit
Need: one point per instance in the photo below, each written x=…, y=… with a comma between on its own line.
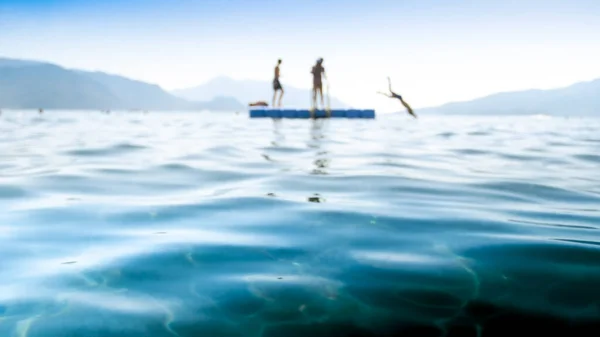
x=395, y=95
x=317, y=71
x=277, y=85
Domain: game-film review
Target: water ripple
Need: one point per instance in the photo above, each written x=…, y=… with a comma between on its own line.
x=180, y=224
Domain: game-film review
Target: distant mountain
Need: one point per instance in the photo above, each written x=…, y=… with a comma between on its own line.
x=32, y=85
x=12, y=63
x=223, y=103
x=136, y=94
x=581, y=99
x=247, y=91
x=47, y=86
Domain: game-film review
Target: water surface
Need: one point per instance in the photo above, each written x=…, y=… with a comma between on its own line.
x=208, y=224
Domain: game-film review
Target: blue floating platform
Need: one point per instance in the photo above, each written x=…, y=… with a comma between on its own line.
x=299, y=113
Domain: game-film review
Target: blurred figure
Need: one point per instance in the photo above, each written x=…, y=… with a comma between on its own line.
x=259, y=103
x=277, y=85
x=41, y=111
x=318, y=71
x=395, y=95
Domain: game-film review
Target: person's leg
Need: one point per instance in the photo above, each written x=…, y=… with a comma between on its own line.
x=410, y=110
x=321, y=93
x=280, y=96
x=274, y=96
x=314, y=97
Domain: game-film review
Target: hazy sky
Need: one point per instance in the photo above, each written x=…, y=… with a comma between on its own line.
x=435, y=51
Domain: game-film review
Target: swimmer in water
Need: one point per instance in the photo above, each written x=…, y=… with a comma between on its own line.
x=395, y=95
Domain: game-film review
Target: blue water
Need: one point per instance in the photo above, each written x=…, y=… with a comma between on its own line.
x=207, y=224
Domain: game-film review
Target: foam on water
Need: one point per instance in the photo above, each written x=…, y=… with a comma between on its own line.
x=206, y=224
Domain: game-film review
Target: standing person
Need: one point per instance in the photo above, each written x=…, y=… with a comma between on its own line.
x=317, y=71
x=395, y=95
x=277, y=85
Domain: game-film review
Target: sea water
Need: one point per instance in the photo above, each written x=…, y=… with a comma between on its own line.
x=214, y=224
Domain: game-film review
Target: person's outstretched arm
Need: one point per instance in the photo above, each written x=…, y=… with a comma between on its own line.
x=384, y=94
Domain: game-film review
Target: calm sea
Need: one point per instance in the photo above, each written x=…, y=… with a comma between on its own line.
x=214, y=224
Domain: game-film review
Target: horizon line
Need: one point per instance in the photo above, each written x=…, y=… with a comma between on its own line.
x=171, y=91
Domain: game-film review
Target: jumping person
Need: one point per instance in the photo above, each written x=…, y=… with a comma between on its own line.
x=395, y=95
x=317, y=71
x=277, y=85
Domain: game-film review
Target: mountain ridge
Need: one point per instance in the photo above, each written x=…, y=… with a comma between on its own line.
x=580, y=98
x=247, y=91
x=27, y=84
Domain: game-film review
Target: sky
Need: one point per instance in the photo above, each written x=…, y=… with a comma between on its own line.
x=434, y=51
